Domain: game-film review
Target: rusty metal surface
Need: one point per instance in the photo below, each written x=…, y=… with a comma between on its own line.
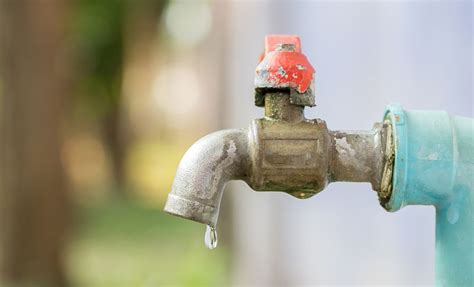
x=203, y=172
x=301, y=156
x=279, y=108
x=388, y=164
x=288, y=152
x=357, y=156
x=281, y=152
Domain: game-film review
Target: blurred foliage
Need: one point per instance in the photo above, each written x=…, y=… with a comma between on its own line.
x=98, y=29
x=125, y=243
x=152, y=165
x=119, y=241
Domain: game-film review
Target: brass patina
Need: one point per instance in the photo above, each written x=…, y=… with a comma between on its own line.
x=283, y=151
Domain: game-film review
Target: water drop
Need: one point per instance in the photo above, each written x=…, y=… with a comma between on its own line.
x=210, y=237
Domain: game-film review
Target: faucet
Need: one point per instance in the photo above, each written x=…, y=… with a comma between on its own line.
x=411, y=157
x=283, y=151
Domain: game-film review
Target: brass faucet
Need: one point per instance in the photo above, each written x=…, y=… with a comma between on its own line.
x=283, y=151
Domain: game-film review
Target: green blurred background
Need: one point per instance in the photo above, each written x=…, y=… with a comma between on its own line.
x=99, y=100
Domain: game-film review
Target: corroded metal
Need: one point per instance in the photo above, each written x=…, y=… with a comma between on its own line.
x=301, y=156
x=288, y=152
x=279, y=108
x=357, y=156
x=203, y=172
x=385, y=191
x=283, y=151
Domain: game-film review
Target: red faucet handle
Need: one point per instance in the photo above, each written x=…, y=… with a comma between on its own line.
x=283, y=66
x=272, y=42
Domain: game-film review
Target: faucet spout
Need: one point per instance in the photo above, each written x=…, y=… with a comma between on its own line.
x=203, y=173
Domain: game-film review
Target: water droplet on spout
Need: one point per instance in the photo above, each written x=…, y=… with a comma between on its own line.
x=210, y=237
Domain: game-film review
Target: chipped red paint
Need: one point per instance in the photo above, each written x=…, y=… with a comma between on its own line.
x=283, y=65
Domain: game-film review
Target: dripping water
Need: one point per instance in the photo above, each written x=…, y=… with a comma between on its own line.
x=210, y=237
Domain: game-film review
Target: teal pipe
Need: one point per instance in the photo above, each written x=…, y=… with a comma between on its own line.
x=434, y=165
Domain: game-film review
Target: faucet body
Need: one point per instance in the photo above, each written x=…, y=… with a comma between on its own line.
x=282, y=151
x=301, y=156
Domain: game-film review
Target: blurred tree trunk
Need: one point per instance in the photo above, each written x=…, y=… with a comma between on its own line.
x=34, y=206
x=140, y=36
x=113, y=130
x=132, y=30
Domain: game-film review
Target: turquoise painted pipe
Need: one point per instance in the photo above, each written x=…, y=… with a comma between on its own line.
x=434, y=165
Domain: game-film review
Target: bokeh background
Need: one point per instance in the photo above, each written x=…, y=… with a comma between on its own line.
x=100, y=99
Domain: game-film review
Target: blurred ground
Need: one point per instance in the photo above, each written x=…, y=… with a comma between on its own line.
x=126, y=243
